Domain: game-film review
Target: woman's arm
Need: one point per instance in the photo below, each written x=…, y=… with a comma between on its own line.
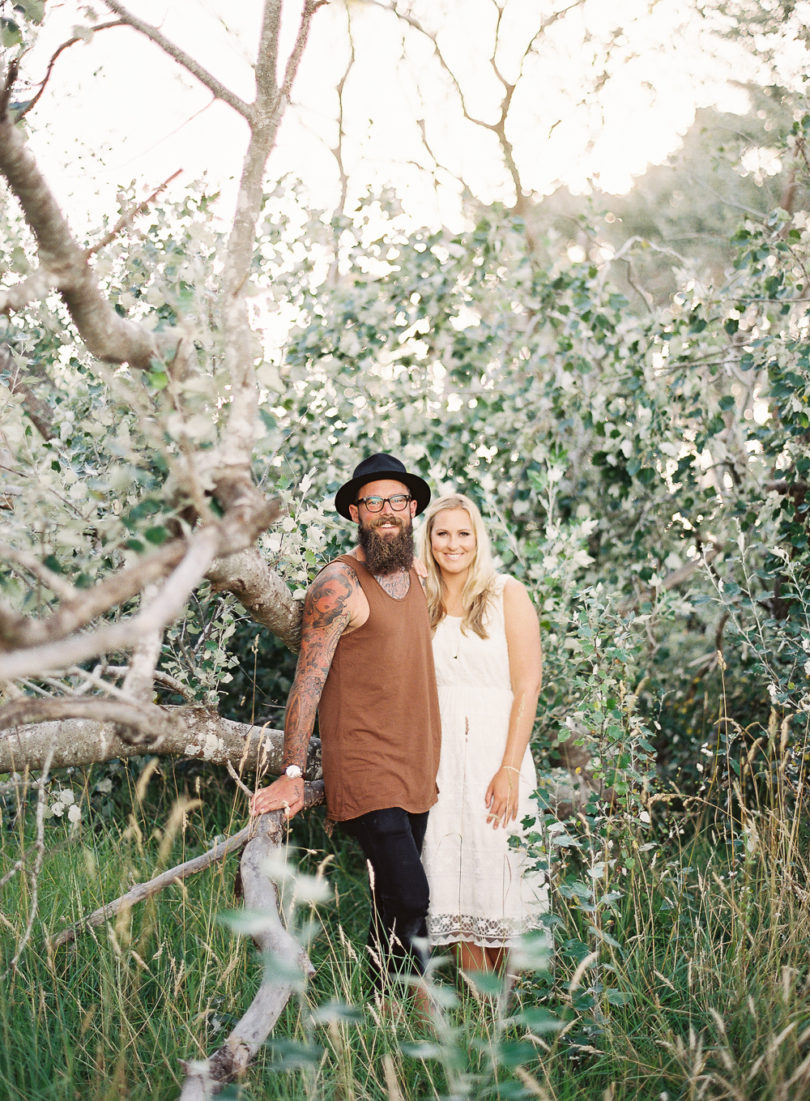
x=526, y=674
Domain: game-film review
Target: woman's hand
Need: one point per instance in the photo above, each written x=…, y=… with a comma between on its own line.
x=287, y=793
x=501, y=798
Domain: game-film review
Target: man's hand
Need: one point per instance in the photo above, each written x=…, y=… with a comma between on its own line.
x=286, y=793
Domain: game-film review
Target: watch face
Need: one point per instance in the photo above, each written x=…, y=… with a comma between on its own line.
x=293, y=771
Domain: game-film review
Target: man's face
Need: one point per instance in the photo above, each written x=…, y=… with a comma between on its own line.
x=385, y=536
x=389, y=521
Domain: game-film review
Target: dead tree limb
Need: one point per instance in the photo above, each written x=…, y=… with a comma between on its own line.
x=207, y=1077
x=313, y=796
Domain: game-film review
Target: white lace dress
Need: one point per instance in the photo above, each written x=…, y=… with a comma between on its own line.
x=480, y=887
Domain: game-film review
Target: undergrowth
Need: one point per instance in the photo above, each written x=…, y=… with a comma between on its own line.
x=697, y=986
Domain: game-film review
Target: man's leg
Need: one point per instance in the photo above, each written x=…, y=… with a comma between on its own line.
x=391, y=840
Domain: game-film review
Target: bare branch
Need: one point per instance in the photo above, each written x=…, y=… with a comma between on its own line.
x=139, y=681
x=159, y=677
x=294, y=60
x=166, y=606
x=8, y=85
x=498, y=128
x=143, y=891
x=82, y=607
x=240, y=354
x=246, y=518
x=267, y=56
x=147, y=722
x=337, y=148
x=154, y=34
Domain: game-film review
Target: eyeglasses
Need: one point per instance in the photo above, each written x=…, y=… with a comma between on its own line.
x=376, y=504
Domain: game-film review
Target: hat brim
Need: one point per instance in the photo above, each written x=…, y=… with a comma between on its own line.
x=347, y=494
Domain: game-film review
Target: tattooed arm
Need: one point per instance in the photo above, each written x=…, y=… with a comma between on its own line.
x=333, y=604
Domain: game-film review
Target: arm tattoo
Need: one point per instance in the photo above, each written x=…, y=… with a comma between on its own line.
x=326, y=616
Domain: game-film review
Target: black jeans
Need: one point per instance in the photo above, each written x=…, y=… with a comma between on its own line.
x=392, y=842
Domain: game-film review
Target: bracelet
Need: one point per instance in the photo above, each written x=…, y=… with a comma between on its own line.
x=511, y=768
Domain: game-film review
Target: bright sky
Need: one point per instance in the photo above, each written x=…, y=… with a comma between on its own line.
x=117, y=109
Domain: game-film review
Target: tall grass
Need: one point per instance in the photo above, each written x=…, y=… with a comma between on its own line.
x=699, y=986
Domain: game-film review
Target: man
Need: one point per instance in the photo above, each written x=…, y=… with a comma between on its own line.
x=366, y=667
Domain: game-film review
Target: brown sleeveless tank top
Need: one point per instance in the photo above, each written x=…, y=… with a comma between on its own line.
x=378, y=716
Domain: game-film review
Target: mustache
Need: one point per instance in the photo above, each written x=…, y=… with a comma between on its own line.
x=373, y=524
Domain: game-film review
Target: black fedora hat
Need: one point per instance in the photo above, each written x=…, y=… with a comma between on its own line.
x=375, y=468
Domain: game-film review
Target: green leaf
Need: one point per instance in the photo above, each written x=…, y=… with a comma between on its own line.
x=538, y=1020
x=157, y=535
x=10, y=33
x=618, y=997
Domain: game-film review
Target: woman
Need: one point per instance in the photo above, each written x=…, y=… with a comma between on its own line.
x=486, y=648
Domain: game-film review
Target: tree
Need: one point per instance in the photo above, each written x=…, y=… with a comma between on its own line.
x=175, y=373
x=191, y=376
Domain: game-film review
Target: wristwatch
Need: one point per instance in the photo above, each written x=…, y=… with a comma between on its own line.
x=293, y=771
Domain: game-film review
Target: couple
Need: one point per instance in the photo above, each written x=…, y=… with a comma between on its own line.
x=370, y=638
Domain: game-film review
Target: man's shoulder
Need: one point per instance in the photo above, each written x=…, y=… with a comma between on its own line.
x=342, y=567
x=336, y=595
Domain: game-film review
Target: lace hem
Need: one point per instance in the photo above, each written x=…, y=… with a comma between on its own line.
x=483, y=931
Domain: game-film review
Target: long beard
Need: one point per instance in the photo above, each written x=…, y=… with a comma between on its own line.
x=387, y=553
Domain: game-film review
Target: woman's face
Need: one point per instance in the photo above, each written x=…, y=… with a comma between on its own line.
x=452, y=541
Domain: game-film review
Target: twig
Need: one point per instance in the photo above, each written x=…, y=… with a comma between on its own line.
x=27, y=561
x=65, y=45
x=20, y=864
x=8, y=86
x=201, y=550
x=237, y=779
x=159, y=677
x=130, y=215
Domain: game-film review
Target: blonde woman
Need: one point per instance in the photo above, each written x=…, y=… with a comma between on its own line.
x=486, y=649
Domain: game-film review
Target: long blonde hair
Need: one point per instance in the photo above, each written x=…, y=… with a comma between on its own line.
x=479, y=585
